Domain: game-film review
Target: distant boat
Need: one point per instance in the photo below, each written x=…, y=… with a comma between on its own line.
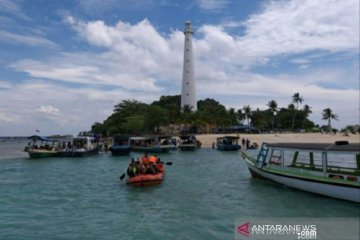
x=332, y=170
x=42, y=147
x=188, y=143
x=120, y=145
x=80, y=147
x=228, y=143
x=151, y=144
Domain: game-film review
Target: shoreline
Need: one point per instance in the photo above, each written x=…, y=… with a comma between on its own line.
x=208, y=139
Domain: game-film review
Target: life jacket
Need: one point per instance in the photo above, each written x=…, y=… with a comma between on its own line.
x=152, y=159
x=160, y=167
x=144, y=160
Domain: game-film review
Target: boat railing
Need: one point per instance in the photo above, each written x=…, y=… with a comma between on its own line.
x=261, y=158
x=343, y=170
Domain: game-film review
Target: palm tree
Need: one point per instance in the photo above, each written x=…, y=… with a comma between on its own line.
x=240, y=116
x=296, y=98
x=273, y=108
x=247, y=113
x=328, y=115
x=307, y=111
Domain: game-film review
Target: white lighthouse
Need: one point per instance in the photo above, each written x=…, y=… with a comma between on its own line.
x=188, y=82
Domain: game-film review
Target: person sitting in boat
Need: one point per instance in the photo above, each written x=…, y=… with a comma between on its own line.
x=153, y=159
x=149, y=169
x=159, y=167
x=144, y=159
x=132, y=169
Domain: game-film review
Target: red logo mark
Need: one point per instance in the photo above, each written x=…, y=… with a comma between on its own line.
x=244, y=229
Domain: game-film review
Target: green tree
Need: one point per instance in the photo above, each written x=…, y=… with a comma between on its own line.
x=247, y=113
x=240, y=116
x=172, y=105
x=327, y=114
x=155, y=117
x=272, y=104
x=211, y=113
x=128, y=117
x=307, y=111
x=232, y=117
x=97, y=128
x=259, y=119
x=296, y=98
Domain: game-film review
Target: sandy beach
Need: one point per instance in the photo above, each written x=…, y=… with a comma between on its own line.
x=208, y=139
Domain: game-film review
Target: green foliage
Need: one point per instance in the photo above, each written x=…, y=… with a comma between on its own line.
x=172, y=105
x=134, y=117
x=156, y=116
x=328, y=115
x=212, y=112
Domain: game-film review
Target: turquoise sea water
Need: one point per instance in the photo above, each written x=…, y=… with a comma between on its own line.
x=202, y=196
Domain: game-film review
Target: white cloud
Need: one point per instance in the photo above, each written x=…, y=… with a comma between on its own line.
x=288, y=27
x=8, y=118
x=12, y=8
x=14, y=38
x=212, y=5
x=48, y=109
x=58, y=109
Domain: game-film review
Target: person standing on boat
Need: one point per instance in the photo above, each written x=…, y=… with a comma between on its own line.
x=247, y=143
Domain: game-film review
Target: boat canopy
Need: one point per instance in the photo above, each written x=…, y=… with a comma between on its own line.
x=138, y=138
x=340, y=146
x=122, y=137
x=183, y=137
x=39, y=138
x=228, y=137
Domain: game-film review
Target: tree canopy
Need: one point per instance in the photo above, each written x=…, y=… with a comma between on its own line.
x=134, y=117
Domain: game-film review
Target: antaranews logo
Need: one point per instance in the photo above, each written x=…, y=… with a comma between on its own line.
x=278, y=230
x=244, y=229
x=253, y=228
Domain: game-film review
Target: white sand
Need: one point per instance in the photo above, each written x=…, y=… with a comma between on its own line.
x=208, y=139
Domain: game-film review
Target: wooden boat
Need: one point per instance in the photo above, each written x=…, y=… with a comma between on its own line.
x=228, y=143
x=80, y=147
x=188, y=143
x=150, y=145
x=42, y=147
x=332, y=170
x=120, y=145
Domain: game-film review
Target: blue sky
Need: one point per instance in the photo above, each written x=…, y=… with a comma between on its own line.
x=65, y=64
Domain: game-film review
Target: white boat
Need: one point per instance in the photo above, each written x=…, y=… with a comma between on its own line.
x=80, y=147
x=151, y=144
x=42, y=147
x=188, y=143
x=332, y=170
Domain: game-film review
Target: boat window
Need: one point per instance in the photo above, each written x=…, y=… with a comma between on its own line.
x=312, y=160
x=342, y=163
x=275, y=158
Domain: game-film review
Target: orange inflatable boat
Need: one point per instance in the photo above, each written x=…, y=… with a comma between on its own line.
x=142, y=180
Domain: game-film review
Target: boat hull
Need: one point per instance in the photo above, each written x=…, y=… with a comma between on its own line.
x=222, y=147
x=188, y=147
x=42, y=153
x=338, y=190
x=155, y=149
x=146, y=180
x=120, y=150
x=78, y=153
